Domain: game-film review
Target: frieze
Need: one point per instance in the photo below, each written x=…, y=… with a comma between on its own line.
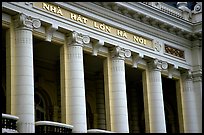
x=100, y=26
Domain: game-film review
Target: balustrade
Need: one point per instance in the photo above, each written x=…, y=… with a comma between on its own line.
x=9, y=123
x=52, y=127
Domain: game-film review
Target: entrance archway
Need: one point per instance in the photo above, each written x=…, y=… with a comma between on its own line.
x=42, y=105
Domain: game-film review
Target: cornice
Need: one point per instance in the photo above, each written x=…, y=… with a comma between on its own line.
x=163, y=18
x=197, y=27
x=112, y=18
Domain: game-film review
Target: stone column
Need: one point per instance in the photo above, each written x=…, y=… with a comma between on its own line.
x=100, y=105
x=73, y=89
x=155, y=97
x=118, y=98
x=197, y=78
x=189, y=104
x=24, y=78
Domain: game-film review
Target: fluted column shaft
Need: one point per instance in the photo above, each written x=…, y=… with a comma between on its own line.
x=189, y=105
x=197, y=86
x=74, y=90
x=118, y=98
x=155, y=97
x=24, y=79
x=197, y=76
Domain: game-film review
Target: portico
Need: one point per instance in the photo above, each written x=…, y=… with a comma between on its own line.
x=92, y=76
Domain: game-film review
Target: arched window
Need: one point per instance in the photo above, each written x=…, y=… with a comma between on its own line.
x=40, y=109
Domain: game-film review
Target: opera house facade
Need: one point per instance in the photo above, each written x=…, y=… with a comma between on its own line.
x=101, y=67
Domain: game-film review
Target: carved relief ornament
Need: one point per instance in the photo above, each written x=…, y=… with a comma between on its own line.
x=198, y=7
x=157, y=45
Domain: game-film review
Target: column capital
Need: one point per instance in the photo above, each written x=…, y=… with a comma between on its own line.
x=187, y=74
x=197, y=74
x=77, y=39
x=22, y=20
x=120, y=53
x=158, y=64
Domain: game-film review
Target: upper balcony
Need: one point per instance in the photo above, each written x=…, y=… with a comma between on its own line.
x=9, y=123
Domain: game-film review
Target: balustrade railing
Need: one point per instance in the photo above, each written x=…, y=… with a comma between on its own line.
x=166, y=8
x=9, y=123
x=98, y=131
x=52, y=127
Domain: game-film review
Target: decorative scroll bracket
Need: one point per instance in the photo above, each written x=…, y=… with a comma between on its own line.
x=171, y=70
x=49, y=32
x=136, y=58
x=96, y=46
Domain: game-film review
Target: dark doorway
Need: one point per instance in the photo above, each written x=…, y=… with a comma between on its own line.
x=170, y=105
